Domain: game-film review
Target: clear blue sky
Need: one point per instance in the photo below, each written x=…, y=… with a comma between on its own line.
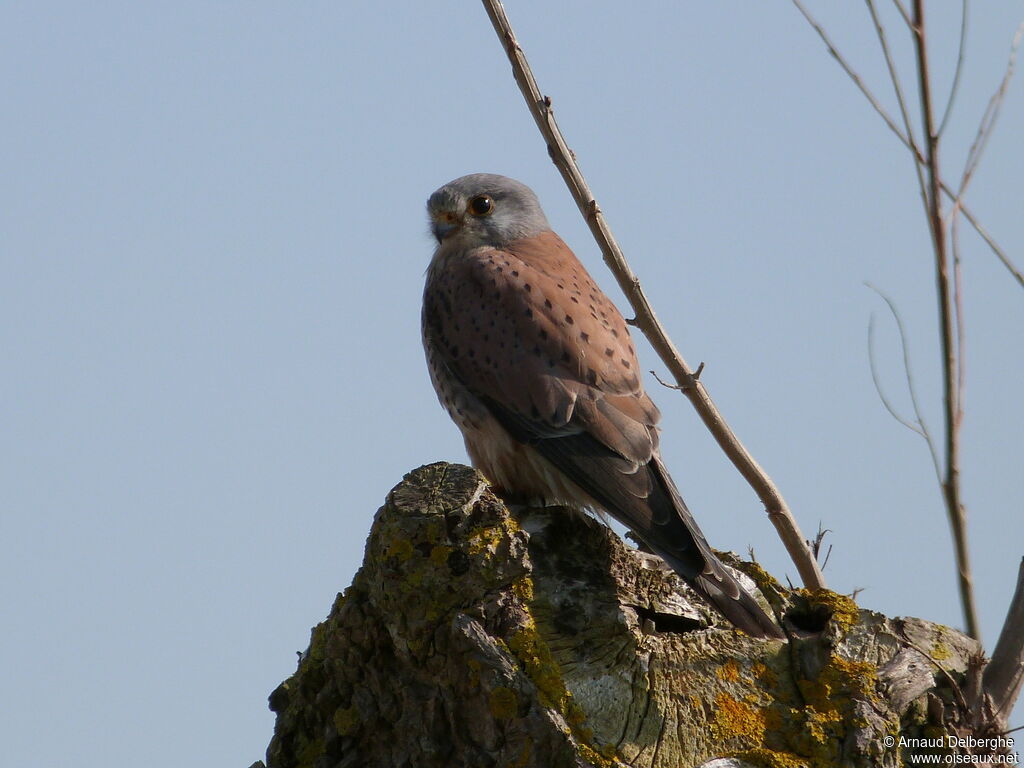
x=212, y=246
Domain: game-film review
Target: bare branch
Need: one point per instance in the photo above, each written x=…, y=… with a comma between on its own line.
x=540, y=108
x=897, y=86
x=951, y=481
x=988, y=119
x=1004, y=676
x=857, y=79
x=903, y=12
x=907, y=140
x=959, y=68
x=983, y=233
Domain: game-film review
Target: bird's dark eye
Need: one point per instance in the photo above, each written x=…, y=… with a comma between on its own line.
x=481, y=205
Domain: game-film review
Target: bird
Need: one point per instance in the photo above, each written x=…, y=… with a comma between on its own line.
x=536, y=367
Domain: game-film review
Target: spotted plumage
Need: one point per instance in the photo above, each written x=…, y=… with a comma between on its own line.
x=537, y=368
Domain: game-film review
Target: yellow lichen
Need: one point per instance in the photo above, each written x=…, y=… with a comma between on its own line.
x=474, y=672
x=309, y=753
x=764, y=580
x=737, y=719
x=523, y=588
x=527, y=645
x=400, y=548
x=346, y=719
x=484, y=540
x=439, y=554
x=729, y=671
x=766, y=678
x=595, y=758
x=940, y=651
x=541, y=668
x=503, y=703
x=843, y=609
x=525, y=753
x=769, y=758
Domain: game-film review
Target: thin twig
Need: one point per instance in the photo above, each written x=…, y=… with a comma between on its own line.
x=953, y=684
x=903, y=12
x=647, y=322
x=1004, y=676
x=898, y=88
x=959, y=68
x=819, y=539
x=853, y=75
x=983, y=233
x=913, y=427
x=907, y=141
x=951, y=400
x=909, y=374
x=988, y=120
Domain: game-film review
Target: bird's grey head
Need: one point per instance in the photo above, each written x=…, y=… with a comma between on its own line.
x=485, y=209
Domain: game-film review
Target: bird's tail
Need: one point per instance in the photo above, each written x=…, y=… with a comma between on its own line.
x=713, y=581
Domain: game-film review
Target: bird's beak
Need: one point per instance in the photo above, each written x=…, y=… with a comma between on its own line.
x=443, y=224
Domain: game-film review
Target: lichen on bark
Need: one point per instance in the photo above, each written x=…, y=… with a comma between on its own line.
x=473, y=635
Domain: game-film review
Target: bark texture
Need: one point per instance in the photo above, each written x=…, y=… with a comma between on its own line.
x=478, y=636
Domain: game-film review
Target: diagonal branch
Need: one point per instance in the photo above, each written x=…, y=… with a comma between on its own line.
x=988, y=119
x=898, y=87
x=983, y=233
x=646, y=321
x=849, y=70
x=907, y=140
x=903, y=12
x=961, y=50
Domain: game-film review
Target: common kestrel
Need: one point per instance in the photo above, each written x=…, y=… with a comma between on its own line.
x=536, y=367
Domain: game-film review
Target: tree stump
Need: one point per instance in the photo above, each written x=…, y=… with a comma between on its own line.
x=477, y=636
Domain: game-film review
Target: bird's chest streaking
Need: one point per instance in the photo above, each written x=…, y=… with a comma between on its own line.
x=526, y=330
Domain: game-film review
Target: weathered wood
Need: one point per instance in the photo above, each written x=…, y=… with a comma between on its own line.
x=476, y=636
